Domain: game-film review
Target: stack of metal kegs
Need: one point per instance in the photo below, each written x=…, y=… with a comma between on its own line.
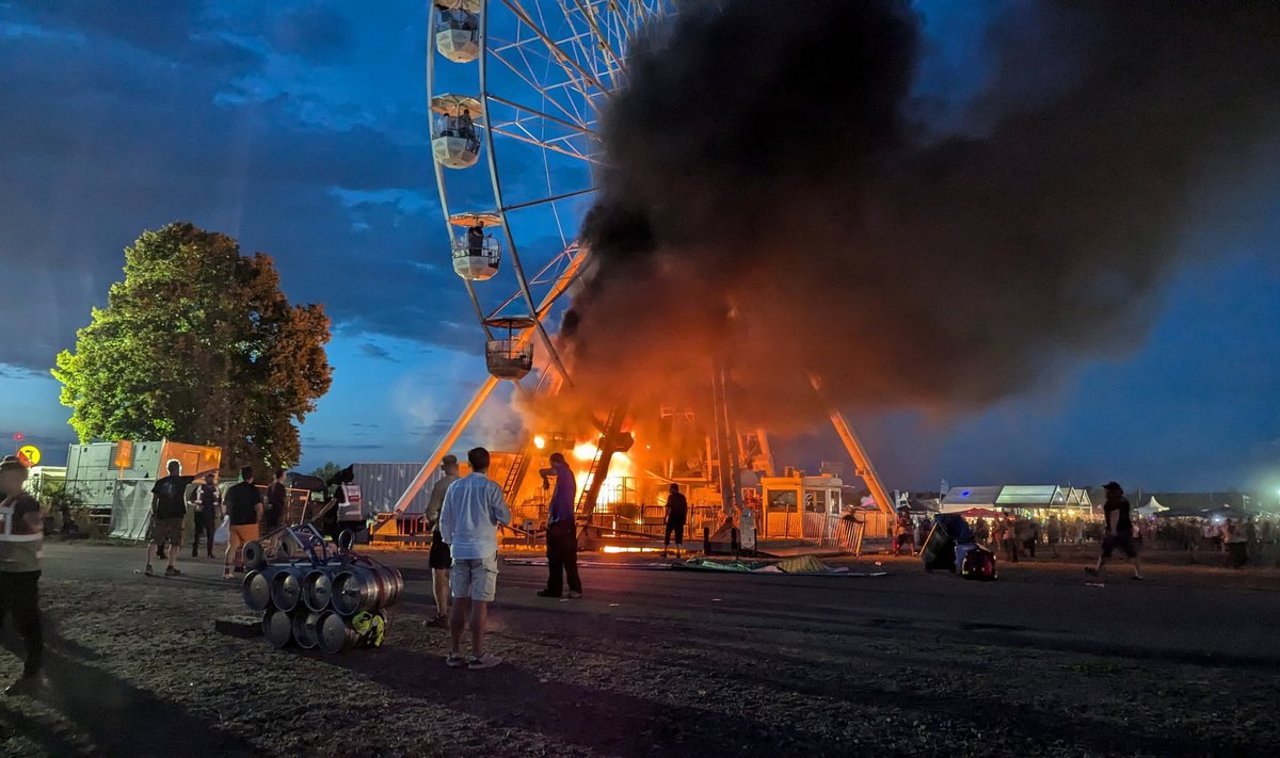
x=315, y=596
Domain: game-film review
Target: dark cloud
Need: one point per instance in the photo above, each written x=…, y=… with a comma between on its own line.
x=136, y=115
x=316, y=33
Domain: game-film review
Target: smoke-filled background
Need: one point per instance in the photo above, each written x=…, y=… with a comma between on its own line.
x=777, y=199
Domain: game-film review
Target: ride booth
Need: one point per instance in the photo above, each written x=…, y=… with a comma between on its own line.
x=798, y=507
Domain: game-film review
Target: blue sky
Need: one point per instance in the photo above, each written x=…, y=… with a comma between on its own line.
x=301, y=130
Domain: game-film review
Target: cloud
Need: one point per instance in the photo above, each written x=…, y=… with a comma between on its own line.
x=116, y=120
x=377, y=351
x=317, y=33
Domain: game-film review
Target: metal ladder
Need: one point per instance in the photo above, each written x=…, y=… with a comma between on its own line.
x=600, y=463
x=519, y=467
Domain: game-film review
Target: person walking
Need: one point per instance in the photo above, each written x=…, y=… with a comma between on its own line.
x=277, y=503
x=168, y=509
x=1010, y=538
x=1118, y=531
x=207, y=505
x=21, y=543
x=473, y=509
x=244, y=507
x=562, y=532
x=677, y=516
x=1028, y=535
x=440, y=559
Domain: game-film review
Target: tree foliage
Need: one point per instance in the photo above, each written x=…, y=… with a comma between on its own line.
x=327, y=471
x=198, y=344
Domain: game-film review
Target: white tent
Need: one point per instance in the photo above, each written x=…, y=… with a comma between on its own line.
x=1152, y=507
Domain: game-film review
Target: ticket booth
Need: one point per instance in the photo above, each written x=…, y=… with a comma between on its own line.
x=795, y=506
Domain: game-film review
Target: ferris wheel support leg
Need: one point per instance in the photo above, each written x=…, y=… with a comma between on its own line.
x=450, y=439
x=857, y=452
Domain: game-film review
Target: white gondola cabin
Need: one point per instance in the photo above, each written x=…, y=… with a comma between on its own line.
x=457, y=29
x=476, y=252
x=509, y=357
x=455, y=137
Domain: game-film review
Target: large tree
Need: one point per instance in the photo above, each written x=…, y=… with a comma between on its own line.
x=198, y=344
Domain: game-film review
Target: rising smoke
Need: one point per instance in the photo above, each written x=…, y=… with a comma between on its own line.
x=775, y=200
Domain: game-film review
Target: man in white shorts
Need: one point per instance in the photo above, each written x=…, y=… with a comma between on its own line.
x=473, y=509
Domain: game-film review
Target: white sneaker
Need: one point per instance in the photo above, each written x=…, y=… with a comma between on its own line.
x=486, y=661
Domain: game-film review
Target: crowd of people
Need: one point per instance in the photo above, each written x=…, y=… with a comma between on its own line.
x=1231, y=541
x=248, y=513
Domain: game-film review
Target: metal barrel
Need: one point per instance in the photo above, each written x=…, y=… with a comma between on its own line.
x=256, y=589
x=286, y=587
x=366, y=587
x=317, y=588
x=335, y=634
x=304, y=628
x=255, y=554
x=277, y=627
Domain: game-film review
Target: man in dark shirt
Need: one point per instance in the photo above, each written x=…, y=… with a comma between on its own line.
x=168, y=509
x=244, y=508
x=277, y=503
x=677, y=515
x=207, y=501
x=1118, y=531
x=562, y=533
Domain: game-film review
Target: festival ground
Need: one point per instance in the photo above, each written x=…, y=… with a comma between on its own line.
x=655, y=662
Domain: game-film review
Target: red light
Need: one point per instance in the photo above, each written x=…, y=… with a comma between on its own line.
x=19, y=436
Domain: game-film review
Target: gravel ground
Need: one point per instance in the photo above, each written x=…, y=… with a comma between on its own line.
x=673, y=663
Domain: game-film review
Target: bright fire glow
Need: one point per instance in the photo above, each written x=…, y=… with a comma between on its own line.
x=619, y=549
x=539, y=441
x=620, y=466
x=584, y=451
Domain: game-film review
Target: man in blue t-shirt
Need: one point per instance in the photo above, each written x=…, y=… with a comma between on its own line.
x=562, y=536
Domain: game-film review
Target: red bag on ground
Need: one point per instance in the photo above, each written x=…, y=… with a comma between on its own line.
x=979, y=564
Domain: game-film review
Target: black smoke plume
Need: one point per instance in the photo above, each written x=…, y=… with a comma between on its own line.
x=777, y=199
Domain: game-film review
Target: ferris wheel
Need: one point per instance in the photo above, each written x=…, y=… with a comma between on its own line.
x=515, y=89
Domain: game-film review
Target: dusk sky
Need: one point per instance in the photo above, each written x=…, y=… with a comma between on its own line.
x=301, y=130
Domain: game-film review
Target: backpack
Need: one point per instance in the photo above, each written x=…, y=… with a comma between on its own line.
x=979, y=564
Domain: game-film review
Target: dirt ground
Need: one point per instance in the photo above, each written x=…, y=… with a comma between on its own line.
x=666, y=663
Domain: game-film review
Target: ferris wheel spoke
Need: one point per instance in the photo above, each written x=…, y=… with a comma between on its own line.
x=552, y=146
x=552, y=92
x=592, y=44
x=551, y=273
x=580, y=43
x=616, y=63
x=545, y=200
x=554, y=48
x=580, y=129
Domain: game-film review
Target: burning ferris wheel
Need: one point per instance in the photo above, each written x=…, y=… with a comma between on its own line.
x=516, y=89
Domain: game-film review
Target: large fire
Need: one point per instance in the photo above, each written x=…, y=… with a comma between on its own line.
x=621, y=469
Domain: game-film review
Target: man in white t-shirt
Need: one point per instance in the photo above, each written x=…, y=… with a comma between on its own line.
x=473, y=509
